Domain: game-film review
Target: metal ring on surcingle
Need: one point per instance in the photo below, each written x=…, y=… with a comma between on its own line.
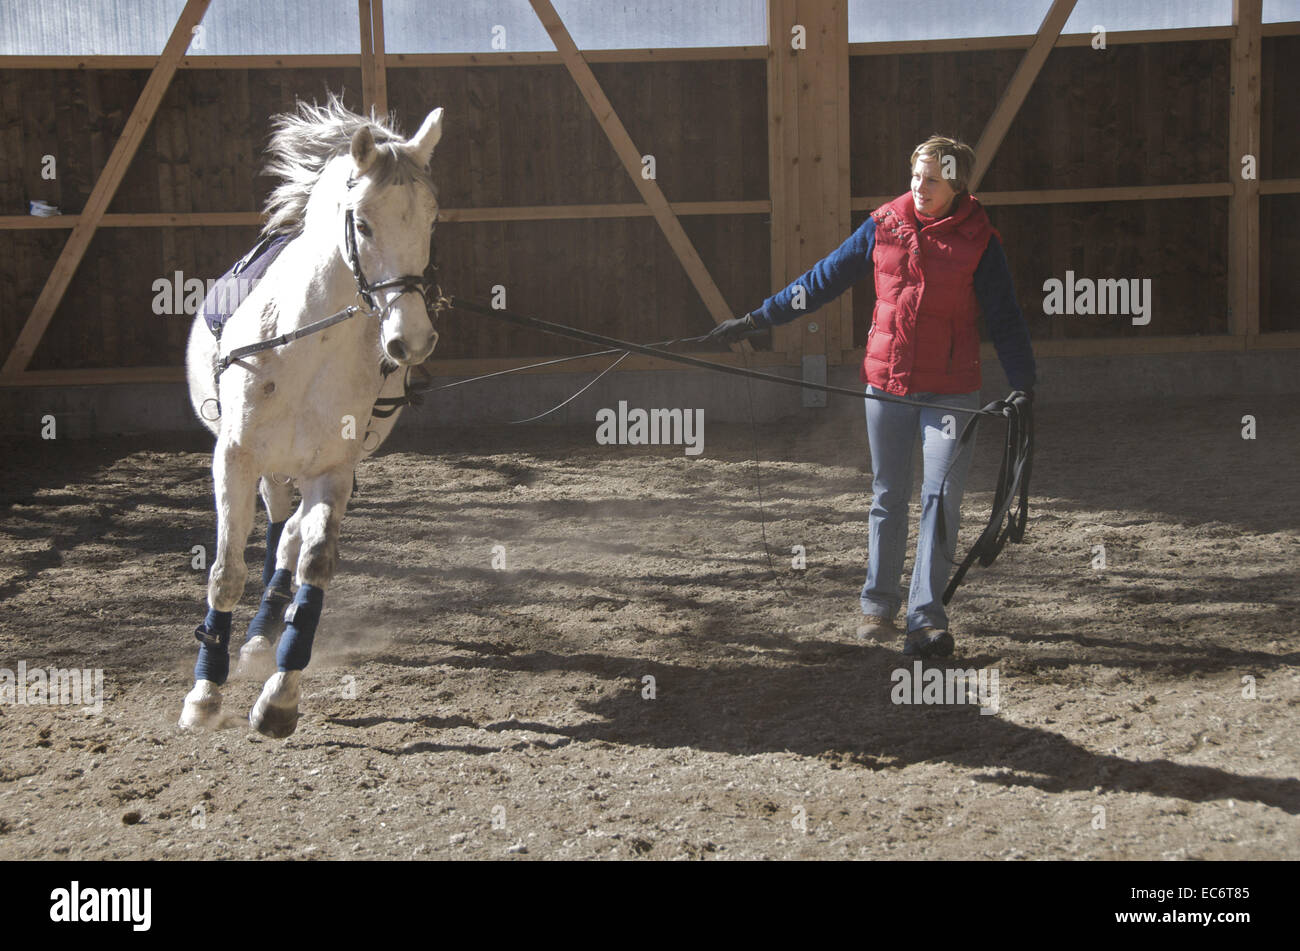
x=366, y=438
x=203, y=409
x=275, y=477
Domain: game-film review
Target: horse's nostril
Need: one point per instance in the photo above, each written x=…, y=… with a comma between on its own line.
x=397, y=350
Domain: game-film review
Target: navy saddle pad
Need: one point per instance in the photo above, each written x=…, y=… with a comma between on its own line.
x=232, y=287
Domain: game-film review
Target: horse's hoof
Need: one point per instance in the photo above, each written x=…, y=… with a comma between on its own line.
x=202, y=710
x=275, y=714
x=256, y=659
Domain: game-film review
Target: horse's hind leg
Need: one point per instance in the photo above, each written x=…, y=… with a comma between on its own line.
x=324, y=500
x=233, y=477
x=257, y=656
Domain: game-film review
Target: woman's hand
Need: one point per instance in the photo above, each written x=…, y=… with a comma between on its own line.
x=729, y=331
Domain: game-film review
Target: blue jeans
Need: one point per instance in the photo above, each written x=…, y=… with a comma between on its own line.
x=892, y=429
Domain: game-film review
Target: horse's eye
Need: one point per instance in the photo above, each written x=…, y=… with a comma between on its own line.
x=364, y=229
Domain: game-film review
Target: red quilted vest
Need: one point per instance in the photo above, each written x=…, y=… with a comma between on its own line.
x=924, y=337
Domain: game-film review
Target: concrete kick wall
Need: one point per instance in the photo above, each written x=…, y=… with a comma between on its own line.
x=92, y=411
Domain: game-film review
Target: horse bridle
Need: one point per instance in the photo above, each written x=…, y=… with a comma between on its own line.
x=407, y=283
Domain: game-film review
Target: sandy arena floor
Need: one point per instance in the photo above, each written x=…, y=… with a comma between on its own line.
x=457, y=711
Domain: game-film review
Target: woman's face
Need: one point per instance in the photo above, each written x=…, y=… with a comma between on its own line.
x=931, y=193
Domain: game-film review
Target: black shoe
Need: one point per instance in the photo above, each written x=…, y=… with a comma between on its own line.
x=928, y=642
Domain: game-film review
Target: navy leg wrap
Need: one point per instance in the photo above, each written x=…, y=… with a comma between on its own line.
x=302, y=617
x=214, y=647
x=273, y=532
x=270, y=613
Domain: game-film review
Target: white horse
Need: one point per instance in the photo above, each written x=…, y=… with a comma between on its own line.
x=359, y=203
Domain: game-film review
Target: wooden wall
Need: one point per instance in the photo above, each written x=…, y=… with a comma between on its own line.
x=1279, y=215
x=524, y=136
x=1150, y=114
x=1153, y=114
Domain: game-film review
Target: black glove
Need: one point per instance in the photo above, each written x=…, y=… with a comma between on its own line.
x=732, y=330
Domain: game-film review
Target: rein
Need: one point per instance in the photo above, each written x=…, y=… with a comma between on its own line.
x=1010, y=510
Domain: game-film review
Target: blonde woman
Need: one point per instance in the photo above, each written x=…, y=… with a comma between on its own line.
x=938, y=264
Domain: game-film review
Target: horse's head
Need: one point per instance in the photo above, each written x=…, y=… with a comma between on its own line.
x=389, y=213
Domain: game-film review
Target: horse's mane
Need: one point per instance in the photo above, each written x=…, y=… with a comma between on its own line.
x=304, y=141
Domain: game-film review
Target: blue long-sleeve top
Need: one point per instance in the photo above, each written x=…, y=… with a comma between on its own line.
x=851, y=262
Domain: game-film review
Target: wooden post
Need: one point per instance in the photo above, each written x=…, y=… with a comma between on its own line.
x=374, y=80
x=1014, y=96
x=1243, y=141
x=631, y=159
x=377, y=47
x=105, y=188
x=808, y=161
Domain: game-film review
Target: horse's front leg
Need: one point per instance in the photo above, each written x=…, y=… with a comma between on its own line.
x=324, y=501
x=257, y=656
x=234, y=478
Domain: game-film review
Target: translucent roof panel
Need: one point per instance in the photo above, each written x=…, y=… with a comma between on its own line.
x=1281, y=11
x=878, y=21
x=86, y=28
x=483, y=26
x=141, y=27
x=291, y=27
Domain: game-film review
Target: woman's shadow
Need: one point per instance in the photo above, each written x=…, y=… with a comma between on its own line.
x=834, y=702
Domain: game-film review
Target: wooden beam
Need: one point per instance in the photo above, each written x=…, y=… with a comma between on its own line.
x=631, y=159
x=474, y=366
x=279, y=61
x=1127, y=346
x=165, y=219
x=620, y=210
x=667, y=54
x=450, y=369
x=1244, y=140
x=367, y=56
x=1023, y=80
x=1026, y=40
x=808, y=161
x=204, y=219
x=92, y=376
x=677, y=54
x=1279, y=186
x=1062, y=196
x=380, y=59
x=105, y=188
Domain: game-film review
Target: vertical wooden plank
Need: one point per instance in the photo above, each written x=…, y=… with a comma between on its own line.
x=776, y=70
x=1244, y=140
x=841, y=341
x=366, y=43
x=379, y=75
x=812, y=206
x=809, y=161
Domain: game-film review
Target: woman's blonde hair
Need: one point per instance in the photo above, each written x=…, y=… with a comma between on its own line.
x=956, y=171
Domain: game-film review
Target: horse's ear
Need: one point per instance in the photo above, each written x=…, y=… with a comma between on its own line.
x=363, y=150
x=421, y=144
